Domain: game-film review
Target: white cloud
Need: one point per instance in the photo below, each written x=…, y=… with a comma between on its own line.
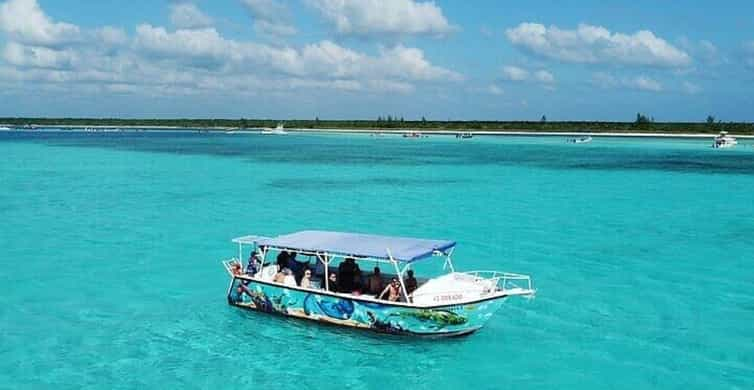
x=207, y=48
x=641, y=82
x=646, y=84
x=25, y=22
x=515, y=73
x=159, y=61
x=544, y=76
x=691, y=88
x=111, y=36
x=270, y=17
x=188, y=16
x=595, y=44
x=38, y=56
x=365, y=17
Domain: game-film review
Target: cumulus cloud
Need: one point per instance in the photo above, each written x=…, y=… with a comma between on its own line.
x=111, y=36
x=595, y=44
x=38, y=57
x=641, y=82
x=187, y=60
x=270, y=17
x=365, y=17
x=325, y=58
x=25, y=22
x=188, y=16
x=515, y=73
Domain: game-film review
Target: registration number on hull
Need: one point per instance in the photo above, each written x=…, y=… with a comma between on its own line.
x=447, y=298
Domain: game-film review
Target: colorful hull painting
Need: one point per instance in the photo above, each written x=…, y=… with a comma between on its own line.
x=440, y=321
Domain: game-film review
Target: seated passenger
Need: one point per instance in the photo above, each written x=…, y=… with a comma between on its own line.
x=393, y=291
x=282, y=259
x=346, y=271
x=374, y=283
x=357, y=287
x=289, y=279
x=306, y=280
x=280, y=275
x=410, y=282
x=254, y=262
x=294, y=265
x=332, y=283
x=235, y=268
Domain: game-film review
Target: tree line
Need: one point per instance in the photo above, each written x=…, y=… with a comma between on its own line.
x=643, y=123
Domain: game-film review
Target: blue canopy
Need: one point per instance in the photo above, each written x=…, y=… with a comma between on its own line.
x=361, y=245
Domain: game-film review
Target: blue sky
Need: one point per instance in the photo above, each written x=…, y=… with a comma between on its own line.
x=486, y=60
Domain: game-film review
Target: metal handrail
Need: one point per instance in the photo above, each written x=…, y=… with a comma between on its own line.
x=497, y=276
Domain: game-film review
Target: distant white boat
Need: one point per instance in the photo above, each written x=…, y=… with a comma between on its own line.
x=581, y=140
x=724, y=140
x=413, y=134
x=465, y=135
x=4, y=128
x=278, y=130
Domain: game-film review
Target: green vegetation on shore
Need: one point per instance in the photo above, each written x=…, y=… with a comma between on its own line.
x=642, y=124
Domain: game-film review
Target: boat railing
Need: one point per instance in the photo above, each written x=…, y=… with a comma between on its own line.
x=229, y=264
x=504, y=281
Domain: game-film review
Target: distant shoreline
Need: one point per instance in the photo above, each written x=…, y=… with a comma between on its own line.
x=642, y=127
x=441, y=132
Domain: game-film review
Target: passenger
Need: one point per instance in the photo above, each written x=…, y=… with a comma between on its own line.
x=298, y=267
x=332, y=284
x=289, y=279
x=346, y=271
x=252, y=267
x=280, y=275
x=410, y=282
x=357, y=285
x=306, y=280
x=292, y=263
x=345, y=275
x=374, y=283
x=235, y=268
x=282, y=260
x=393, y=291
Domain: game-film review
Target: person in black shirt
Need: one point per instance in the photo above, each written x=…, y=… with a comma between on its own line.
x=410, y=282
x=332, y=284
x=346, y=270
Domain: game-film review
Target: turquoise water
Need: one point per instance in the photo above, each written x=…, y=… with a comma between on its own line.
x=641, y=250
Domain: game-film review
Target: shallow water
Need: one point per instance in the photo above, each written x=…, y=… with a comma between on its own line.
x=641, y=251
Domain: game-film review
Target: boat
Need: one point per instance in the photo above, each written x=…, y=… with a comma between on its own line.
x=581, y=140
x=723, y=140
x=465, y=135
x=452, y=304
x=413, y=134
x=278, y=130
x=4, y=128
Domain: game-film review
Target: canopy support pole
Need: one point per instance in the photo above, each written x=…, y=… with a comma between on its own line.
x=448, y=261
x=399, y=274
x=325, y=259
